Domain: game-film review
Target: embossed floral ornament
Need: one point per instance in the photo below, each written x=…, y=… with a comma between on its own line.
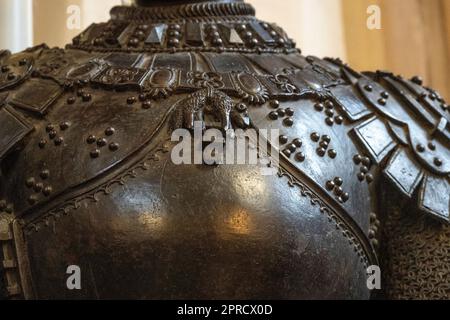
x=160, y=83
x=250, y=88
x=284, y=84
x=206, y=79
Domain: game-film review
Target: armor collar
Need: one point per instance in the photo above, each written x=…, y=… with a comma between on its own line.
x=211, y=26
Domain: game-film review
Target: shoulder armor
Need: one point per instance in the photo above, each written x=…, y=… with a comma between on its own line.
x=407, y=134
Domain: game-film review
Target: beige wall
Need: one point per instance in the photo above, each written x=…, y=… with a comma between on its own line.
x=316, y=25
x=414, y=39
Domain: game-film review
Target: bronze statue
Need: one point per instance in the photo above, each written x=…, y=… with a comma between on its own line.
x=87, y=179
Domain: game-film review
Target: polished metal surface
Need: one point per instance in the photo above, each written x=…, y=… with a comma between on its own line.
x=87, y=177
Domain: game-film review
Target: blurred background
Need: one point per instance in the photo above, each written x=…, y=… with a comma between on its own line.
x=413, y=37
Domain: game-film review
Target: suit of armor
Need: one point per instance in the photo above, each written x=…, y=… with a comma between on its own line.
x=87, y=178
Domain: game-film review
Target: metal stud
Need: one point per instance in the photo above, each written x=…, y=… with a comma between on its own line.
x=338, y=181
x=273, y=115
x=298, y=143
x=332, y=153
x=110, y=131
x=114, y=146
x=330, y=185
x=283, y=139
x=45, y=174
x=315, y=137
x=319, y=107
x=300, y=157
x=289, y=122
x=95, y=154
x=438, y=162
x=321, y=152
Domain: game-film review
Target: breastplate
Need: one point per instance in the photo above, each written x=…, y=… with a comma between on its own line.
x=88, y=180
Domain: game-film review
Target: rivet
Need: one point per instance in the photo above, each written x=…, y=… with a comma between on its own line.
x=101, y=142
x=95, y=153
x=364, y=169
x=300, y=157
x=52, y=134
x=274, y=104
x=281, y=112
x=110, y=131
x=71, y=100
x=86, y=97
x=131, y=100
x=58, y=141
x=369, y=178
x=438, y=162
x=47, y=191
x=432, y=146
x=44, y=174
x=287, y=153
x=324, y=144
x=283, y=139
x=50, y=128
x=290, y=112
x=288, y=122
x=361, y=176
x=382, y=101
x=357, y=159
x=319, y=107
x=38, y=187
x=133, y=42
x=368, y=88
x=332, y=153
x=64, y=126
x=329, y=121
x=339, y=120
x=326, y=138
x=321, y=152
x=91, y=139
x=114, y=146
x=146, y=105
x=330, y=185
x=329, y=105
x=366, y=161
x=338, y=191
x=315, y=137
x=42, y=143
x=292, y=147
x=142, y=97
x=420, y=148
x=273, y=115
x=217, y=41
x=385, y=95
x=30, y=182
x=254, y=41
x=329, y=112
x=298, y=143
x=338, y=181
x=345, y=197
